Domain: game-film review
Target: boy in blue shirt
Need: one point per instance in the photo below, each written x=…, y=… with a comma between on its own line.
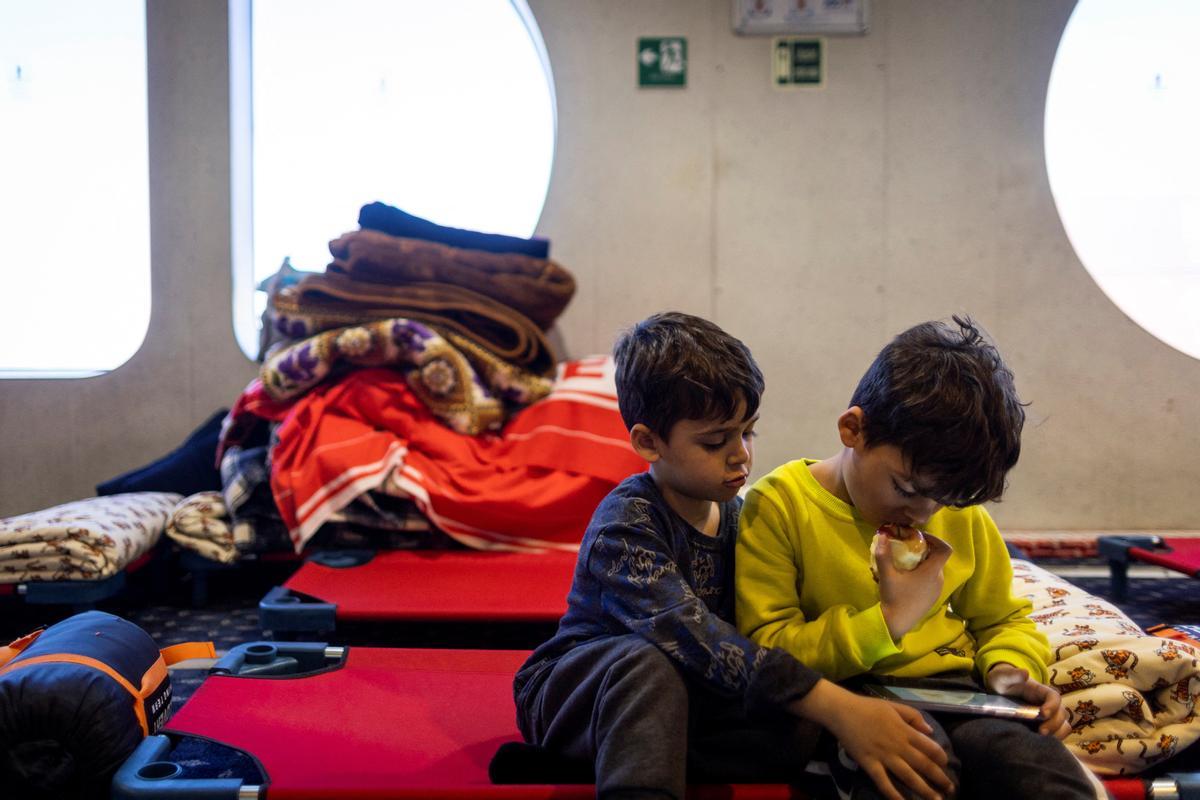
x=647, y=677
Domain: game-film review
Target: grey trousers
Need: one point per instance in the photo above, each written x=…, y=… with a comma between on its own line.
x=1005, y=759
x=991, y=757
x=623, y=704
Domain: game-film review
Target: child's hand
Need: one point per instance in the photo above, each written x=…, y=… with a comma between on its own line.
x=906, y=596
x=885, y=739
x=1008, y=680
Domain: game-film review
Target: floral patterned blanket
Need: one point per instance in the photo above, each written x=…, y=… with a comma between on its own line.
x=467, y=387
x=87, y=539
x=1131, y=696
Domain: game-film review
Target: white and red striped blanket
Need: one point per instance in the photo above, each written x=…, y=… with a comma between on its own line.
x=533, y=485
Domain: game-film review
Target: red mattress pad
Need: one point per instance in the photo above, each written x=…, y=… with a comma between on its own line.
x=444, y=585
x=400, y=723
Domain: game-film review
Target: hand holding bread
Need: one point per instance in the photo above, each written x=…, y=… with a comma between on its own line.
x=907, y=595
x=907, y=546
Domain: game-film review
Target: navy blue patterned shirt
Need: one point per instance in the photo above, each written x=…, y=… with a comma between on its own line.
x=642, y=569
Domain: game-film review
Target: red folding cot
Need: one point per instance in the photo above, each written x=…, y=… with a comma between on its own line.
x=1174, y=553
x=354, y=723
x=362, y=722
x=397, y=586
x=84, y=594
x=317, y=722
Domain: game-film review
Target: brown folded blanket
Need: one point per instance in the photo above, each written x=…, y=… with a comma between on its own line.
x=538, y=288
x=321, y=302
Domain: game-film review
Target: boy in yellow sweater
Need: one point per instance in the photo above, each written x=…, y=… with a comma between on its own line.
x=931, y=432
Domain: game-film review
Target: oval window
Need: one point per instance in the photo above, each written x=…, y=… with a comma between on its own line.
x=1122, y=126
x=445, y=110
x=74, y=186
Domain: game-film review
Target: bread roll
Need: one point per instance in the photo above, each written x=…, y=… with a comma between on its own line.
x=908, y=547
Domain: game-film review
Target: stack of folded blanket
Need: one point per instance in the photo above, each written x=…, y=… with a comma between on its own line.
x=410, y=390
x=408, y=397
x=463, y=314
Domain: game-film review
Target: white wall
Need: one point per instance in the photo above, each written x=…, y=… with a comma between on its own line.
x=813, y=224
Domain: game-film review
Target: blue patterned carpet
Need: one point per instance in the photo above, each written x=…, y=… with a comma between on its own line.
x=1148, y=601
x=1152, y=601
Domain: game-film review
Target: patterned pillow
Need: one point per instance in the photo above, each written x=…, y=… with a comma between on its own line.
x=200, y=523
x=1130, y=697
x=83, y=540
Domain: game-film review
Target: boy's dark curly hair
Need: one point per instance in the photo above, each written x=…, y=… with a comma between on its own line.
x=673, y=366
x=943, y=395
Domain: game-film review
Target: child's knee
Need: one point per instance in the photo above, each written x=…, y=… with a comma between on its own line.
x=938, y=733
x=1003, y=758
x=646, y=671
x=986, y=737
x=650, y=664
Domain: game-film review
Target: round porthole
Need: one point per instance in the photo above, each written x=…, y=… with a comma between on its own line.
x=1122, y=126
x=445, y=110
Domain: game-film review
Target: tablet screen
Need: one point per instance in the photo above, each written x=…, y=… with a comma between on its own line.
x=956, y=701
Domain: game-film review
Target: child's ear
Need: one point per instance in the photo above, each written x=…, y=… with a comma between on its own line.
x=644, y=442
x=851, y=426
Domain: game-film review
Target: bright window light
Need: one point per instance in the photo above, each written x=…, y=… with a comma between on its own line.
x=444, y=110
x=1122, y=127
x=74, y=186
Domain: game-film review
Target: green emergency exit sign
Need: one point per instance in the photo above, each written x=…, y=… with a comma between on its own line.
x=662, y=61
x=798, y=62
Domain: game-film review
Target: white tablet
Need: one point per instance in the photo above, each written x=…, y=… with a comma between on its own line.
x=956, y=701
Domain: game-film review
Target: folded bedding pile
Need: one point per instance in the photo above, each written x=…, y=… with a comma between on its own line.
x=88, y=539
x=410, y=394
x=1131, y=696
x=368, y=437
x=408, y=397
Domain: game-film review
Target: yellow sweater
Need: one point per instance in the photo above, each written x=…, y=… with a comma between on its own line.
x=803, y=584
